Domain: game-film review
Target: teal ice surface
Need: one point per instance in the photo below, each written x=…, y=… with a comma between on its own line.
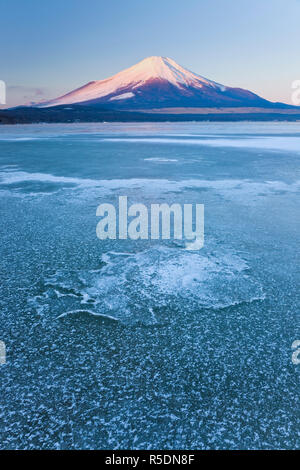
x=123, y=344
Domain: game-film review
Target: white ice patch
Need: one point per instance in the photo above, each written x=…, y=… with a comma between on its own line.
x=153, y=286
x=272, y=143
x=160, y=160
x=242, y=190
x=20, y=139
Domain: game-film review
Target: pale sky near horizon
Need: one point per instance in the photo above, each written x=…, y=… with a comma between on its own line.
x=51, y=47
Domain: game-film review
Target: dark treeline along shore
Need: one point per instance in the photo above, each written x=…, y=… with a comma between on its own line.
x=81, y=113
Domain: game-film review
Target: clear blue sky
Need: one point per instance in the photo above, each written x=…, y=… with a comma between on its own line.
x=49, y=47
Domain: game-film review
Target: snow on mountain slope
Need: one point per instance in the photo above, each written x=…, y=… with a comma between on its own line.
x=157, y=82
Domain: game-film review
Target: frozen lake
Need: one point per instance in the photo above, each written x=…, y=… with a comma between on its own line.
x=123, y=344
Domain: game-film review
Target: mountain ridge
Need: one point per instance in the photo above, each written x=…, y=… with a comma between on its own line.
x=159, y=82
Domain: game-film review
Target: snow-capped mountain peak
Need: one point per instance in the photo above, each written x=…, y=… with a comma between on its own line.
x=162, y=68
x=156, y=82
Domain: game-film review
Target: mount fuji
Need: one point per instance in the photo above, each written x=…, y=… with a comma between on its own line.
x=156, y=83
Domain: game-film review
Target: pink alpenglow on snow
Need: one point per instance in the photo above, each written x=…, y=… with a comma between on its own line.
x=157, y=82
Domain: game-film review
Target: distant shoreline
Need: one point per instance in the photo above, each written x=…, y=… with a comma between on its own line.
x=81, y=114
